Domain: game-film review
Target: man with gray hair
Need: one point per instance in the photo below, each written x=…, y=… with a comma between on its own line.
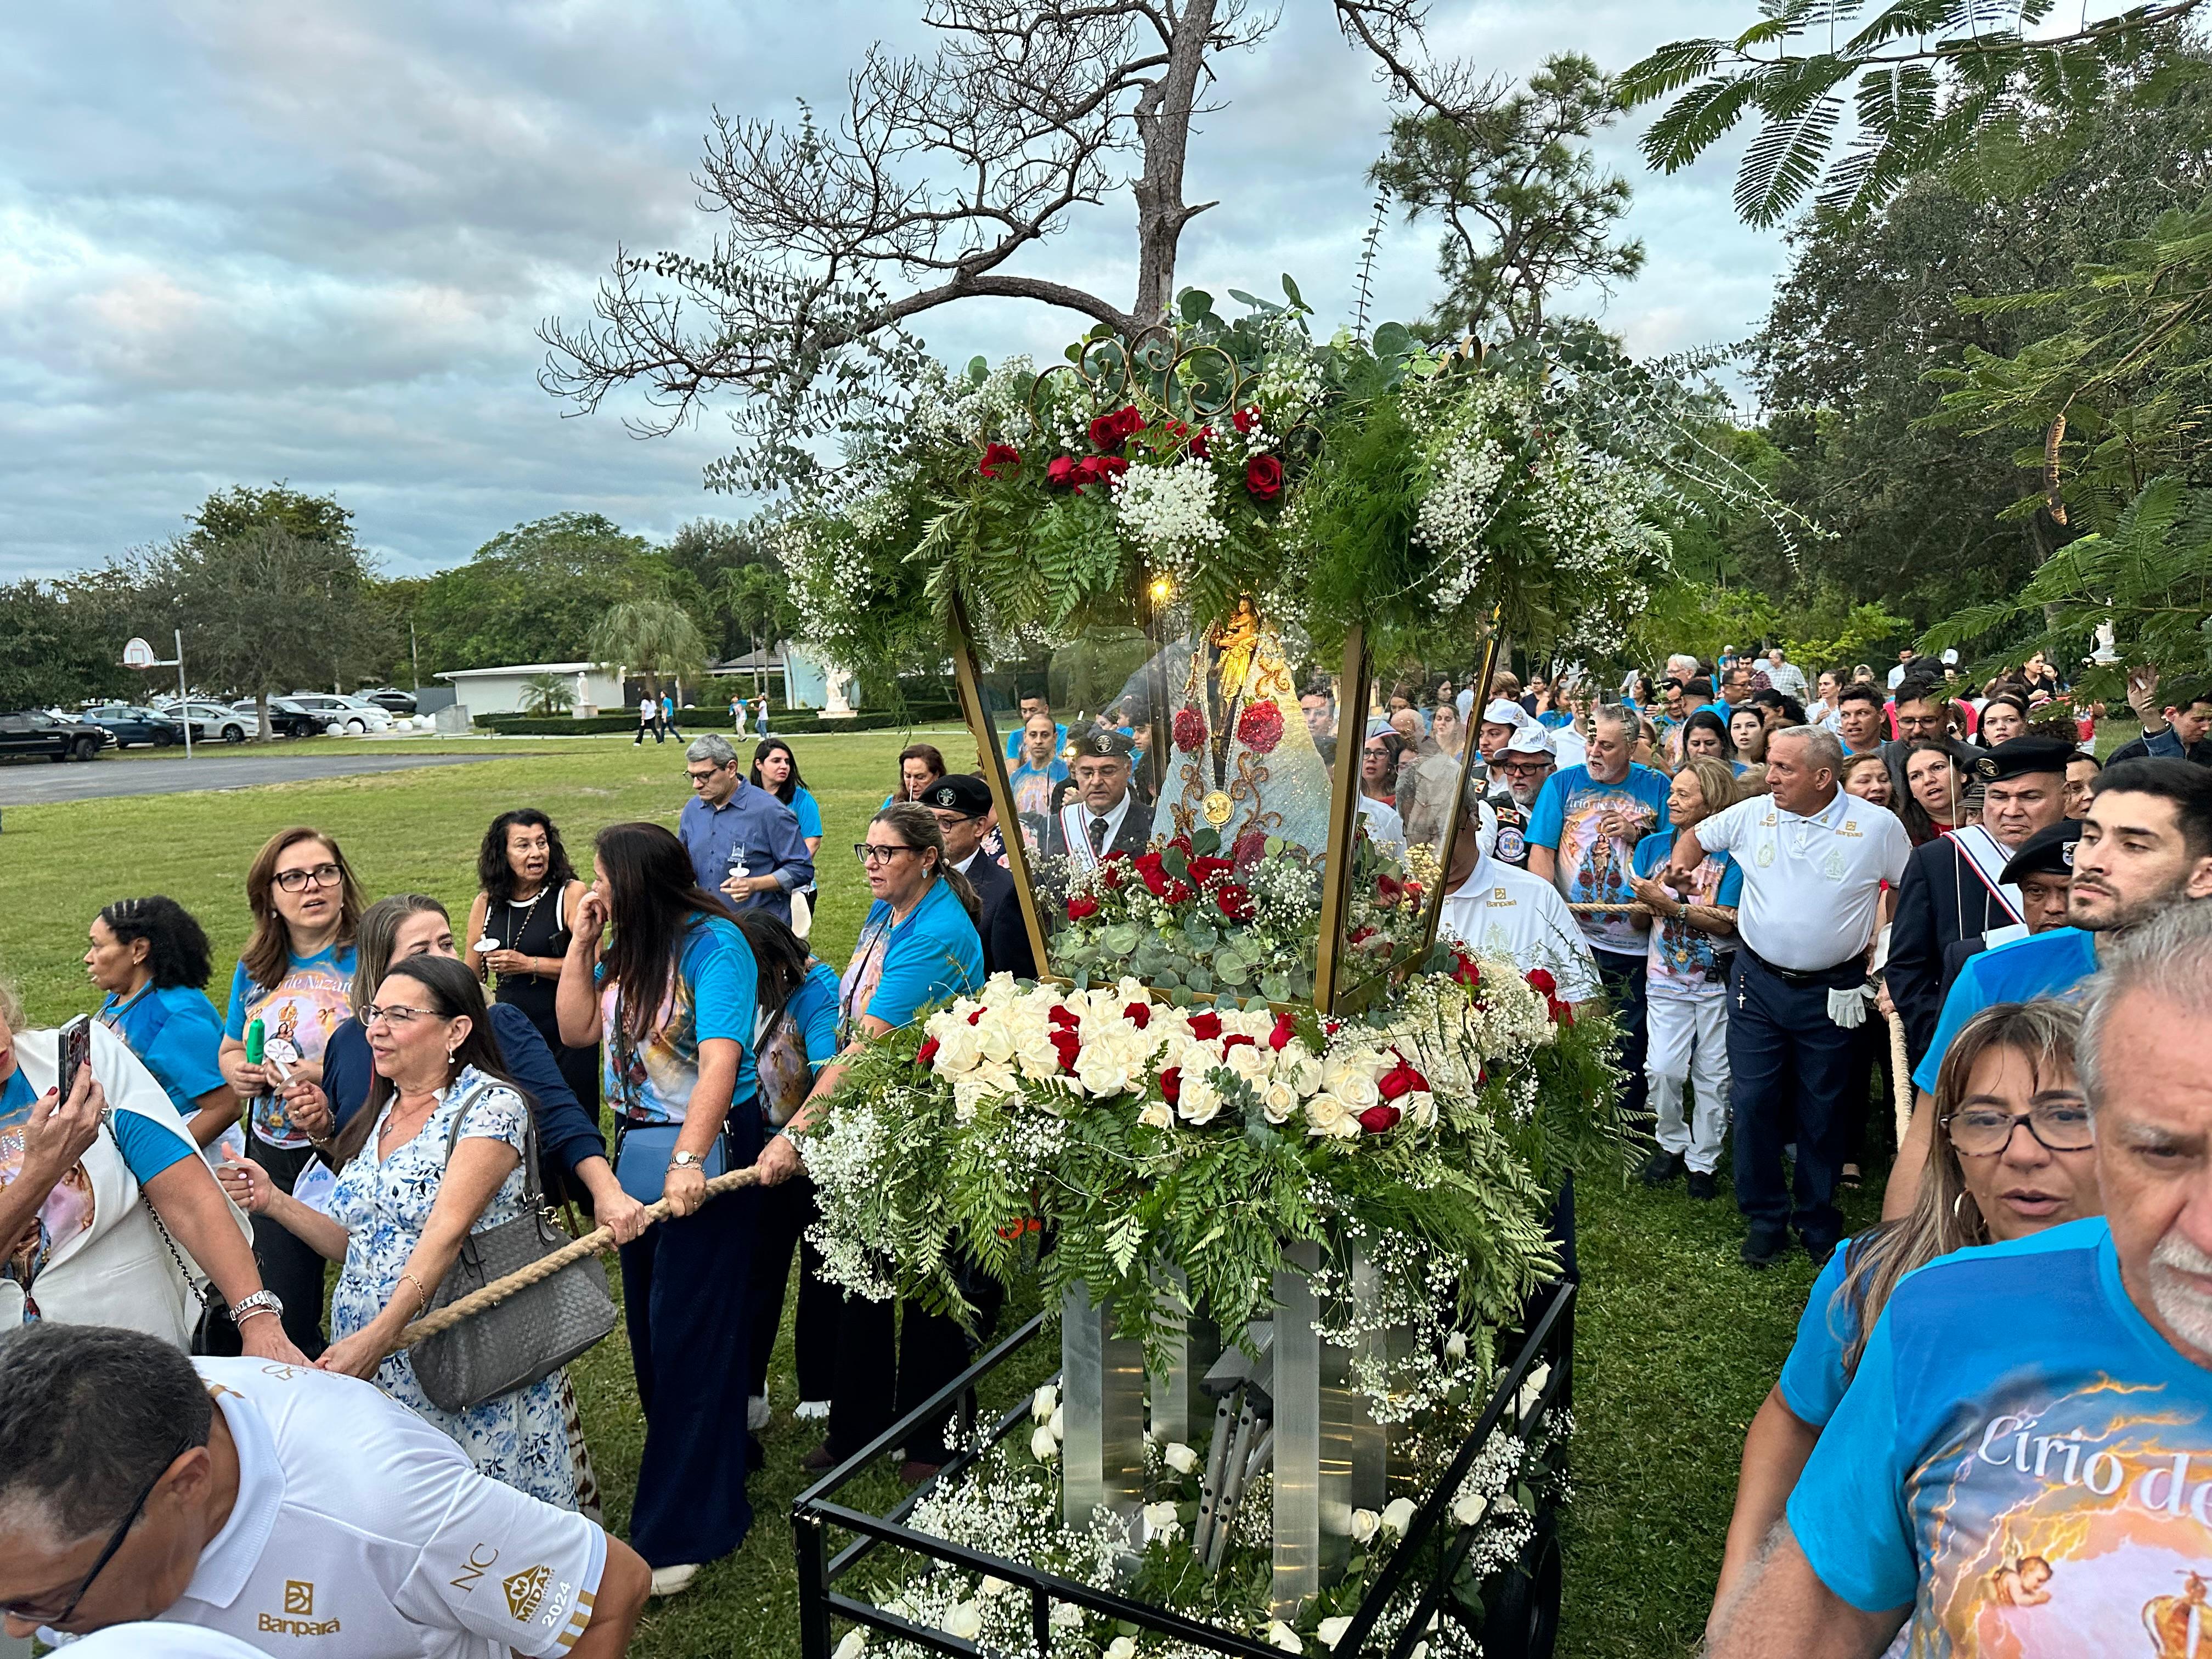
x=2024, y=1457
x=746, y=844
x=1813, y=859
x=300, y=1511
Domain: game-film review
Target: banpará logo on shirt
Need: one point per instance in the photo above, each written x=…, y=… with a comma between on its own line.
x=525, y=1590
x=298, y=1597
x=298, y=1618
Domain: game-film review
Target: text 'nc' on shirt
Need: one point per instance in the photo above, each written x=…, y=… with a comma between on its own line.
x=1811, y=885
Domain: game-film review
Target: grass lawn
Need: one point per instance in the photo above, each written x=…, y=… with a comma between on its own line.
x=1678, y=1343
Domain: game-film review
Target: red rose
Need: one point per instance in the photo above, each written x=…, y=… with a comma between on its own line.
x=1080, y=907
x=999, y=455
x=1414, y=892
x=1251, y=847
x=1198, y=444
x=1061, y=469
x=1360, y=935
x=1205, y=869
x=1562, y=1013
x=1179, y=892
x=1389, y=889
x=1286, y=1029
x=1235, y=1038
x=1110, y=432
x=1375, y=1119
x=1260, y=727
x=1171, y=1085
x=1036, y=1223
x=1206, y=1026
x=1108, y=877
x=1246, y=418
x=1541, y=981
x=1236, y=902
x=1138, y=1014
x=1263, y=476
x=1095, y=468
x=1465, y=970
x=1182, y=844
x=1189, y=728
x=927, y=1053
x=1400, y=1080
x=1068, y=1045
x=1066, y=1018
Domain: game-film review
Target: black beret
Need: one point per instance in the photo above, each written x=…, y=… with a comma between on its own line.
x=1119, y=745
x=2021, y=756
x=961, y=792
x=2049, y=852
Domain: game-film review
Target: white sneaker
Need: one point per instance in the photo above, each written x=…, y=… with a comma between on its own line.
x=758, y=1412
x=674, y=1580
x=812, y=1410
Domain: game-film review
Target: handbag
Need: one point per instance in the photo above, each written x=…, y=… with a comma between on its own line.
x=214, y=1336
x=531, y=1333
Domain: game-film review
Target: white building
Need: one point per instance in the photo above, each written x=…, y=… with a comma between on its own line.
x=505, y=691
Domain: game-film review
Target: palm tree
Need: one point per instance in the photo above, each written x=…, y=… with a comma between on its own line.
x=548, y=694
x=652, y=637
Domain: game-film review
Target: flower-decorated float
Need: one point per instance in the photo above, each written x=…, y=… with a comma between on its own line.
x=1285, y=1162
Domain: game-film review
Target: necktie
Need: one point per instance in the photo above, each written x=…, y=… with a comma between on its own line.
x=1098, y=834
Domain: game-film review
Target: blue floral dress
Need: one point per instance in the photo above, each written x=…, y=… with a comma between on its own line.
x=384, y=1204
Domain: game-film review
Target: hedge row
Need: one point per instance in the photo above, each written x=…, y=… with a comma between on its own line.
x=710, y=719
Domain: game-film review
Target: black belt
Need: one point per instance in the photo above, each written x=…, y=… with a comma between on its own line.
x=1851, y=971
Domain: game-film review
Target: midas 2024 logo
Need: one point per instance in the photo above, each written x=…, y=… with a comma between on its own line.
x=526, y=1590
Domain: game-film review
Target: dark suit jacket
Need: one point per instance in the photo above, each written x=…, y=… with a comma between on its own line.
x=1134, y=835
x=1941, y=901
x=1005, y=937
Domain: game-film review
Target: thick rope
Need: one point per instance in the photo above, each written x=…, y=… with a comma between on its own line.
x=1900, y=1079
x=595, y=1243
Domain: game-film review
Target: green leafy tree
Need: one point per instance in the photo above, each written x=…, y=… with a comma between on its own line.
x=653, y=637
x=1928, y=84
x=1526, y=213
x=758, y=598
x=54, y=650
x=534, y=594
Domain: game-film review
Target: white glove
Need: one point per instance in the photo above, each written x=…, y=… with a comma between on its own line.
x=1848, y=1008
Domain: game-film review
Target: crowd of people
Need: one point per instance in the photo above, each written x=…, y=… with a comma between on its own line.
x=1755, y=870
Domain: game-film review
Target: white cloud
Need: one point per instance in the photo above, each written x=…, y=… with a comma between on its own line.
x=241, y=241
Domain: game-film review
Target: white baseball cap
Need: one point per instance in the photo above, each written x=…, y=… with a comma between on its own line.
x=1532, y=739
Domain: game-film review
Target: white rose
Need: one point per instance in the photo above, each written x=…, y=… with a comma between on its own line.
x=964, y=1621
x=1278, y=1101
x=1044, y=1446
x=1034, y=1055
x=856, y=1640
x=1058, y=1422
x=1398, y=1515
x=1179, y=1457
x=1282, y=1636
x=1467, y=1508
x=1121, y=1648
x=1421, y=1107
x=1331, y=1631
x=1251, y=1062
x=959, y=1050
x=1066, y=1615
x=991, y=1586
x=1365, y=1523
x=994, y=1041
x=1327, y=1116
x=1351, y=1082
x=998, y=990
x=1101, y=1071
x=1532, y=1387
x=1044, y=1402
x=1257, y=1021
x=1200, y=1102
x=1455, y=1347
x=1304, y=1074
x=1155, y=1115
x=1160, y=1521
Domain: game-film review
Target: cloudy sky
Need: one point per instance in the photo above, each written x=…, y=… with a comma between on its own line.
x=246, y=240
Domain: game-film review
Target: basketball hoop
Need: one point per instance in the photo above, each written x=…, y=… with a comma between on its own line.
x=139, y=654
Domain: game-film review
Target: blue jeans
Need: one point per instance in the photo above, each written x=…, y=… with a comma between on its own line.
x=1791, y=1073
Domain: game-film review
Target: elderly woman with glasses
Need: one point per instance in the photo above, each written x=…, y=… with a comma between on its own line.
x=919, y=947
x=2017, y=1155
x=435, y=1155
x=292, y=988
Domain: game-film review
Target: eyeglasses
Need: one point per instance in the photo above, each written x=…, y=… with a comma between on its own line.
x=701, y=777
x=869, y=853
x=2061, y=1125
x=395, y=1015
x=31, y=1614
x=298, y=881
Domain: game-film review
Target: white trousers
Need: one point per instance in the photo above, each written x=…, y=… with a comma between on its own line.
x=1688, y=1042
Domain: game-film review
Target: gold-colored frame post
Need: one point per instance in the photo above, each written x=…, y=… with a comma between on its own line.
x=1469, y=746
x=1343, y=819
x=994, y=775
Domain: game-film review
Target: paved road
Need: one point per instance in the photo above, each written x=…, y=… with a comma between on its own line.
x=24, y=783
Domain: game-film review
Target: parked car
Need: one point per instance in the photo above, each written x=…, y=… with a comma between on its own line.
x=34, y=732
x=212, y=720
x=128, y=723
x=287, y=718
x=348, y=714
x=390, y=700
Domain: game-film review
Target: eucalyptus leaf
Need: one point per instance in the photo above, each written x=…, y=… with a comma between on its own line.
x=1274, y=847
x=1393, y=340
x=1122, y=938
x=1276, y=987
x=1083, y=979
x=1200, y=979
x=1201, y=935
x=1173, y=861
x=1205, y=843
x=1166, y=979
x=1194, y=303
x=1231, y=969
x=1292, y=289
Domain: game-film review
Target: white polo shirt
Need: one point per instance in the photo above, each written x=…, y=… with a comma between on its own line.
x=1509, y=914
x=1812, y=886
x=361, y=1529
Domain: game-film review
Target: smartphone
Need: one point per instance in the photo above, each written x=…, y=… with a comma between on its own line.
x=76, y=1052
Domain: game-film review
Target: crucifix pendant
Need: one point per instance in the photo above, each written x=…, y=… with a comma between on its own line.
x=1739, y=997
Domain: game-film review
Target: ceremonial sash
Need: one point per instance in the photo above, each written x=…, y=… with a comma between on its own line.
x=1075, y=829
x=1979, y=851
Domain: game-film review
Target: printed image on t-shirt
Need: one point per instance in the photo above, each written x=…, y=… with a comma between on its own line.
x=1593, y=866
x=650, y=1079
x=297, y=1016
x=1683, y=960
x=66, y=1215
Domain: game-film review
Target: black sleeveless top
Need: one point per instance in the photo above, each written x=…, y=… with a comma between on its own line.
x=537, y=928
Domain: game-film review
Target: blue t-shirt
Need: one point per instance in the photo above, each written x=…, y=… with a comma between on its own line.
x=178, y=1037
x=312, y=998
x=1555, y=718
x=717, y=983
x=813, y=1010
x=1813, y=1377
x=2021, y=1458
x=807, y=810
x=147, y=1148
x=1014, y=739
x=896, y=972
x=1593, y=869
x=1682, y=961
x=2049, y=964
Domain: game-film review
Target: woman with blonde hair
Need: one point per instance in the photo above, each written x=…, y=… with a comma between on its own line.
x=2016, y=1155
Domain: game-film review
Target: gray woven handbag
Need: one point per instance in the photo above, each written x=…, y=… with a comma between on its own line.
x=528, y=1335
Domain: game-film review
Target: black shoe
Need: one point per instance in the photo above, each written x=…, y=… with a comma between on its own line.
x=1762, y=1248
x=1820, y=1251
x=1700, y=1184
x=1662, y=1167
x=819, y=1459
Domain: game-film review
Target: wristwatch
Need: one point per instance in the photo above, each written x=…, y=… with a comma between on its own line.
x=686, y=1160
x=260, y=1302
